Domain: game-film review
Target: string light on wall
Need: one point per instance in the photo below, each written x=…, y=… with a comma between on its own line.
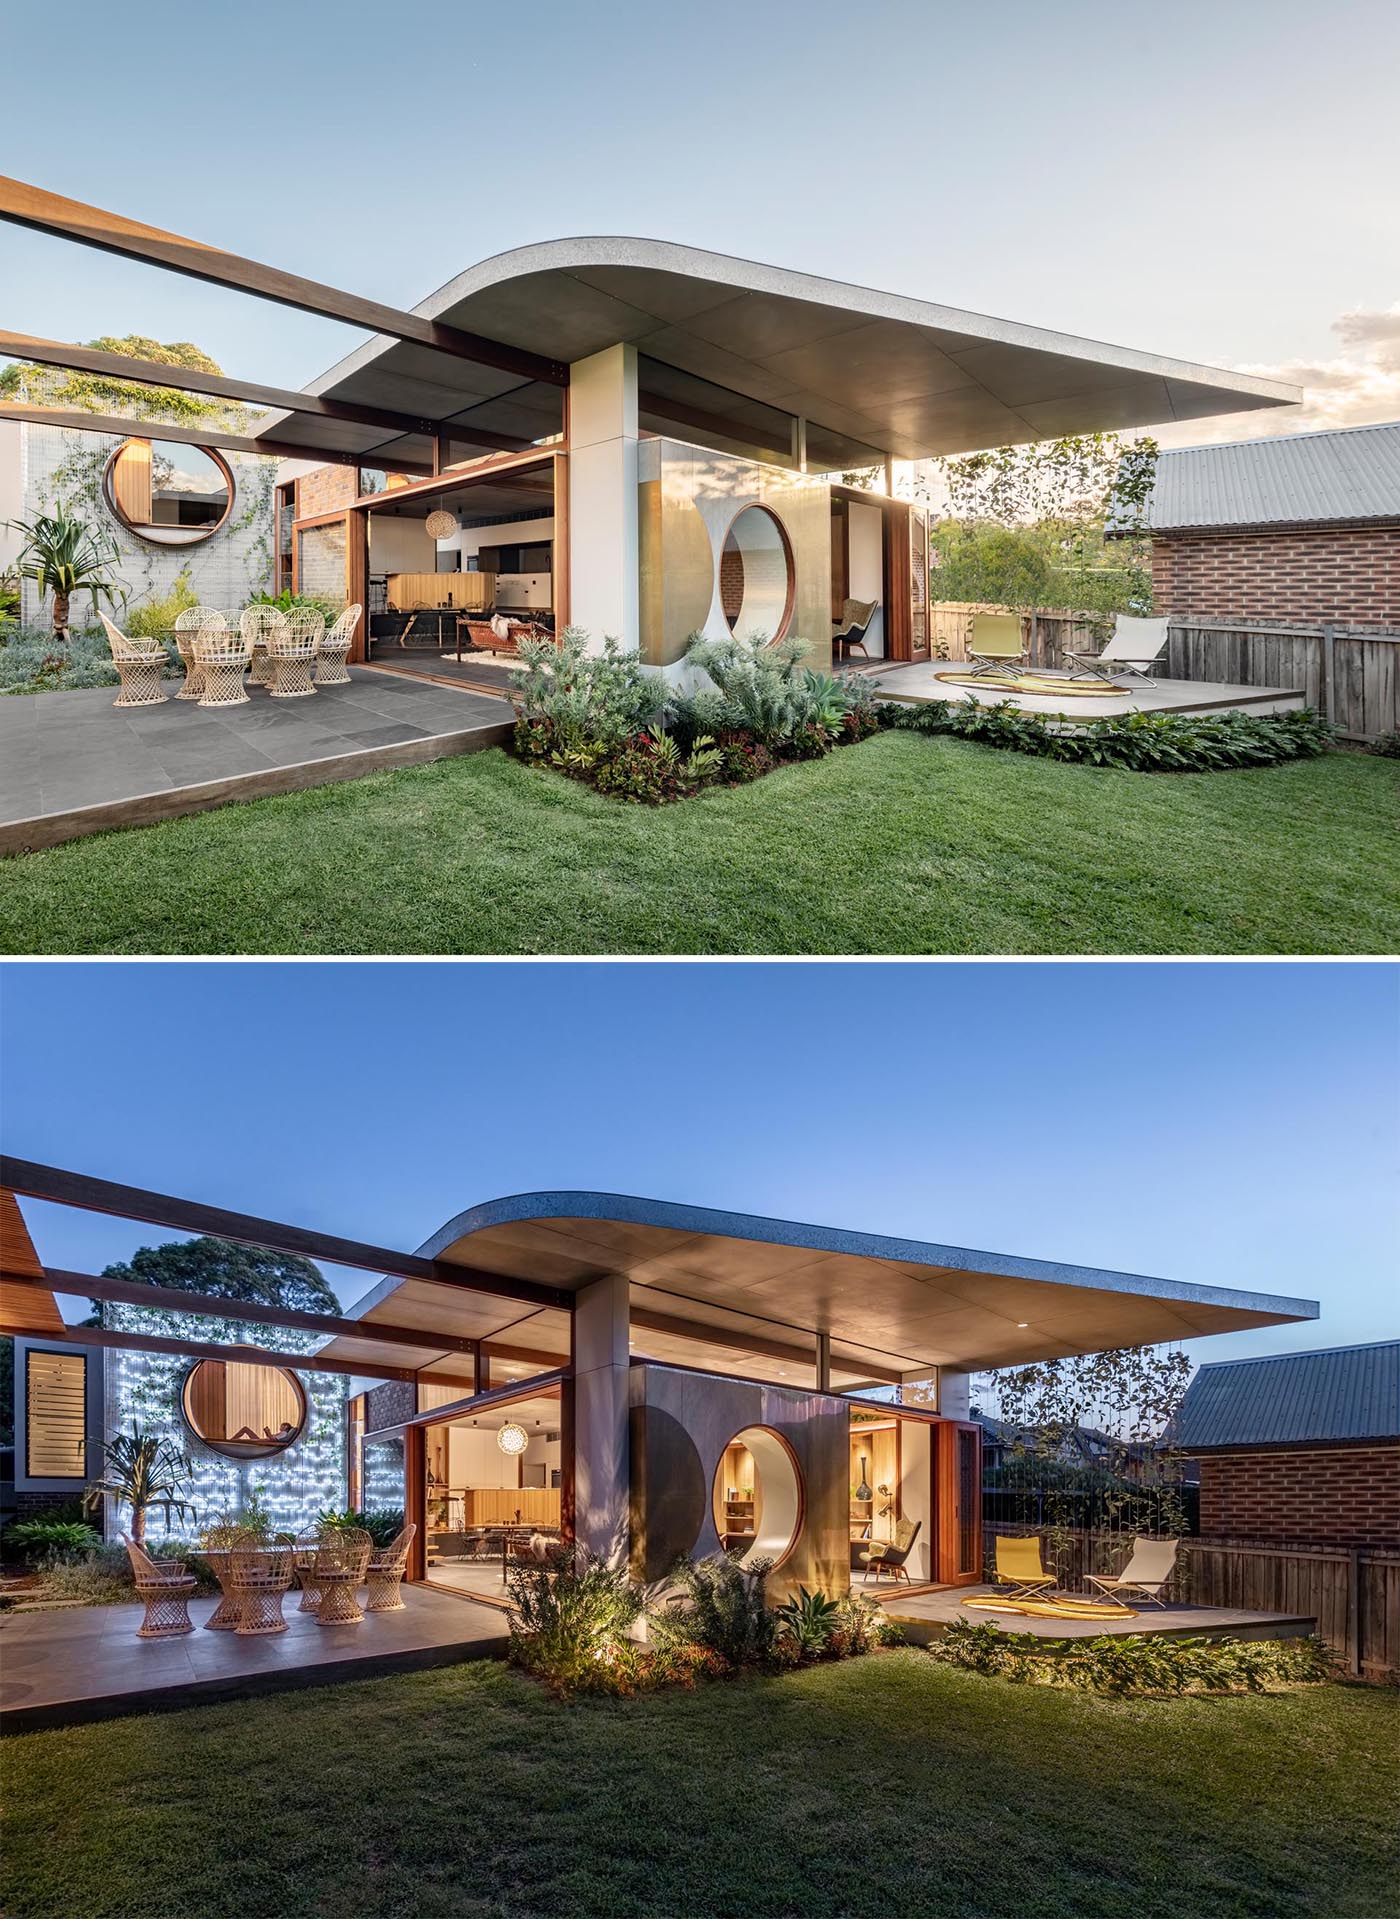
x=512, y=1439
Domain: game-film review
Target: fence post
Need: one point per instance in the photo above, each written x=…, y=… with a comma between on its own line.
x=1329, y=690
x=1354, y=1610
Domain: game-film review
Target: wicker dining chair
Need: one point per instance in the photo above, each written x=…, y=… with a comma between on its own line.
x=259, y=1576
x=257, y=624
x=335, y=646
x=342, y=1561
x=187, y=626
x=384, y=1576
x=304, y=1565
x=223, y=656
x=291, y=652
x=219, y=1543
x=164, y=1586
x=139, y=664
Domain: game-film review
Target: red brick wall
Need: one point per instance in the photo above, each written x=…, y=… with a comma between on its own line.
x=326, y=490
x=1342, y=1496
x=1349, y=576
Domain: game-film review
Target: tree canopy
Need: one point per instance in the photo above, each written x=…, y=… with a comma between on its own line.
x=76, y=391
x=224, y=1270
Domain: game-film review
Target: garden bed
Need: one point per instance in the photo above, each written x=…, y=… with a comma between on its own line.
x=602, y=718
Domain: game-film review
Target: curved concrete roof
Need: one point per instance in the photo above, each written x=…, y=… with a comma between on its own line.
x=889, y=1304
x=909, y=377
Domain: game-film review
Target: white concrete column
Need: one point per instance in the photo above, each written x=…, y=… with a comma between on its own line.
x=602, y=1462
x=603, y=582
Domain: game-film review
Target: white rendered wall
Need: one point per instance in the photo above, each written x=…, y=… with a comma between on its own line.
x=399, y=545
x=867, y=568
x=916, y=1491
x=11, y=489
x=512, y=589
x=603, y=585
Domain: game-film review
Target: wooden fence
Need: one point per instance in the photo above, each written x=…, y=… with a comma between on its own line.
x=1353, y=1594
x=1352, y=674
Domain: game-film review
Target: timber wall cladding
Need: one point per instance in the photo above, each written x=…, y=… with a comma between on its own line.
x=1347, y=575
x=1342, y=1495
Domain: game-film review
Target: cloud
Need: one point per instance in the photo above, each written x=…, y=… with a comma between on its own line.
x=1357, y=388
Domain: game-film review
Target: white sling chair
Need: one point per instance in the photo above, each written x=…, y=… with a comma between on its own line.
x=1135, y=645
x=1149, y=1568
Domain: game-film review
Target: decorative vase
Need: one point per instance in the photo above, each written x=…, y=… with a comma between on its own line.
x=863, y=1489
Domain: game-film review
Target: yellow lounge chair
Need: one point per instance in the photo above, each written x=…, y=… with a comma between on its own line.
x=996, y=645
x=1019, y=1566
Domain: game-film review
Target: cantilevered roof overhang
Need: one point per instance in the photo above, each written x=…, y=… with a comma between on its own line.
x=890, y=1306
x=904, y=376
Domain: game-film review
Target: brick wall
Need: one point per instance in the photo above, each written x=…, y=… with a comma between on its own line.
x=1340, y=575
x=326, y=490
x=1340, y=1496
x=390, y=1404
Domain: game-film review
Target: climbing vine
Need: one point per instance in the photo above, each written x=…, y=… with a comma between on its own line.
x=77, y=476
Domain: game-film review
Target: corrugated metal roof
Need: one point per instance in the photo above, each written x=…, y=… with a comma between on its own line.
x=1350, y=474
x=1351, y=1392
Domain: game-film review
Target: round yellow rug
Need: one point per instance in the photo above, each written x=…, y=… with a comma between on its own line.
x=1036, y=683
x=1054, y=1608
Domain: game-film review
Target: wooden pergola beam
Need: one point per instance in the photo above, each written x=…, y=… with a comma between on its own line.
x=37, y=1181
x=169, y=1299
x=205, y=1349
x=212, y=435
x=121, y=366
x=30, y=206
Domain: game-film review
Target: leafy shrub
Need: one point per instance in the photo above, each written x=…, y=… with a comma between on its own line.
x=1139, y=742
x=721, y=1608
x=41, y=1539
x=760, y=689
x=1134, y=1662
x=570, y=1620
x=286, y=600
x=101, y=1578
x=568, y=699
x=808, y=1620
x=33, y=661
x=156, y=619
x=382, y=1523
x=860, y=1626
x=1387, y=745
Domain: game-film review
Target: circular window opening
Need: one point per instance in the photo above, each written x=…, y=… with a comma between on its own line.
x=758, y=1497
x=243, y=1411
x=757, y=579
x=167, y=492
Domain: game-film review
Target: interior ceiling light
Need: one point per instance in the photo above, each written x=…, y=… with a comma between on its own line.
x=440, y=525
x=512, y=1439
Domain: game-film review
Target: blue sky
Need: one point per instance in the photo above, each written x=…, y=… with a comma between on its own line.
x=1225, y=1124
x=1214, y=182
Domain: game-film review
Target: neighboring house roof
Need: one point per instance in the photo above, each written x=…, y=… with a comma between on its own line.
x=866, y=370
x=1299, y=479
x=1349, y=1393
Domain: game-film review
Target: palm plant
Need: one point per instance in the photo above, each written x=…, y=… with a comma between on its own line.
x=63, y=555
x=143, y=1470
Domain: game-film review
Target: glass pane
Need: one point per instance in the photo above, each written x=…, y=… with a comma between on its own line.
x=756, y=576
x=168, y=492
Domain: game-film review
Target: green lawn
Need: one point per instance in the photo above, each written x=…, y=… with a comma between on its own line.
x=901, y=845
x=886, y=1786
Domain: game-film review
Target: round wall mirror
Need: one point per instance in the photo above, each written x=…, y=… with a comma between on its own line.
x=758, y=1497
x=757, y=579
x=243, y=1411
x=167, y=492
